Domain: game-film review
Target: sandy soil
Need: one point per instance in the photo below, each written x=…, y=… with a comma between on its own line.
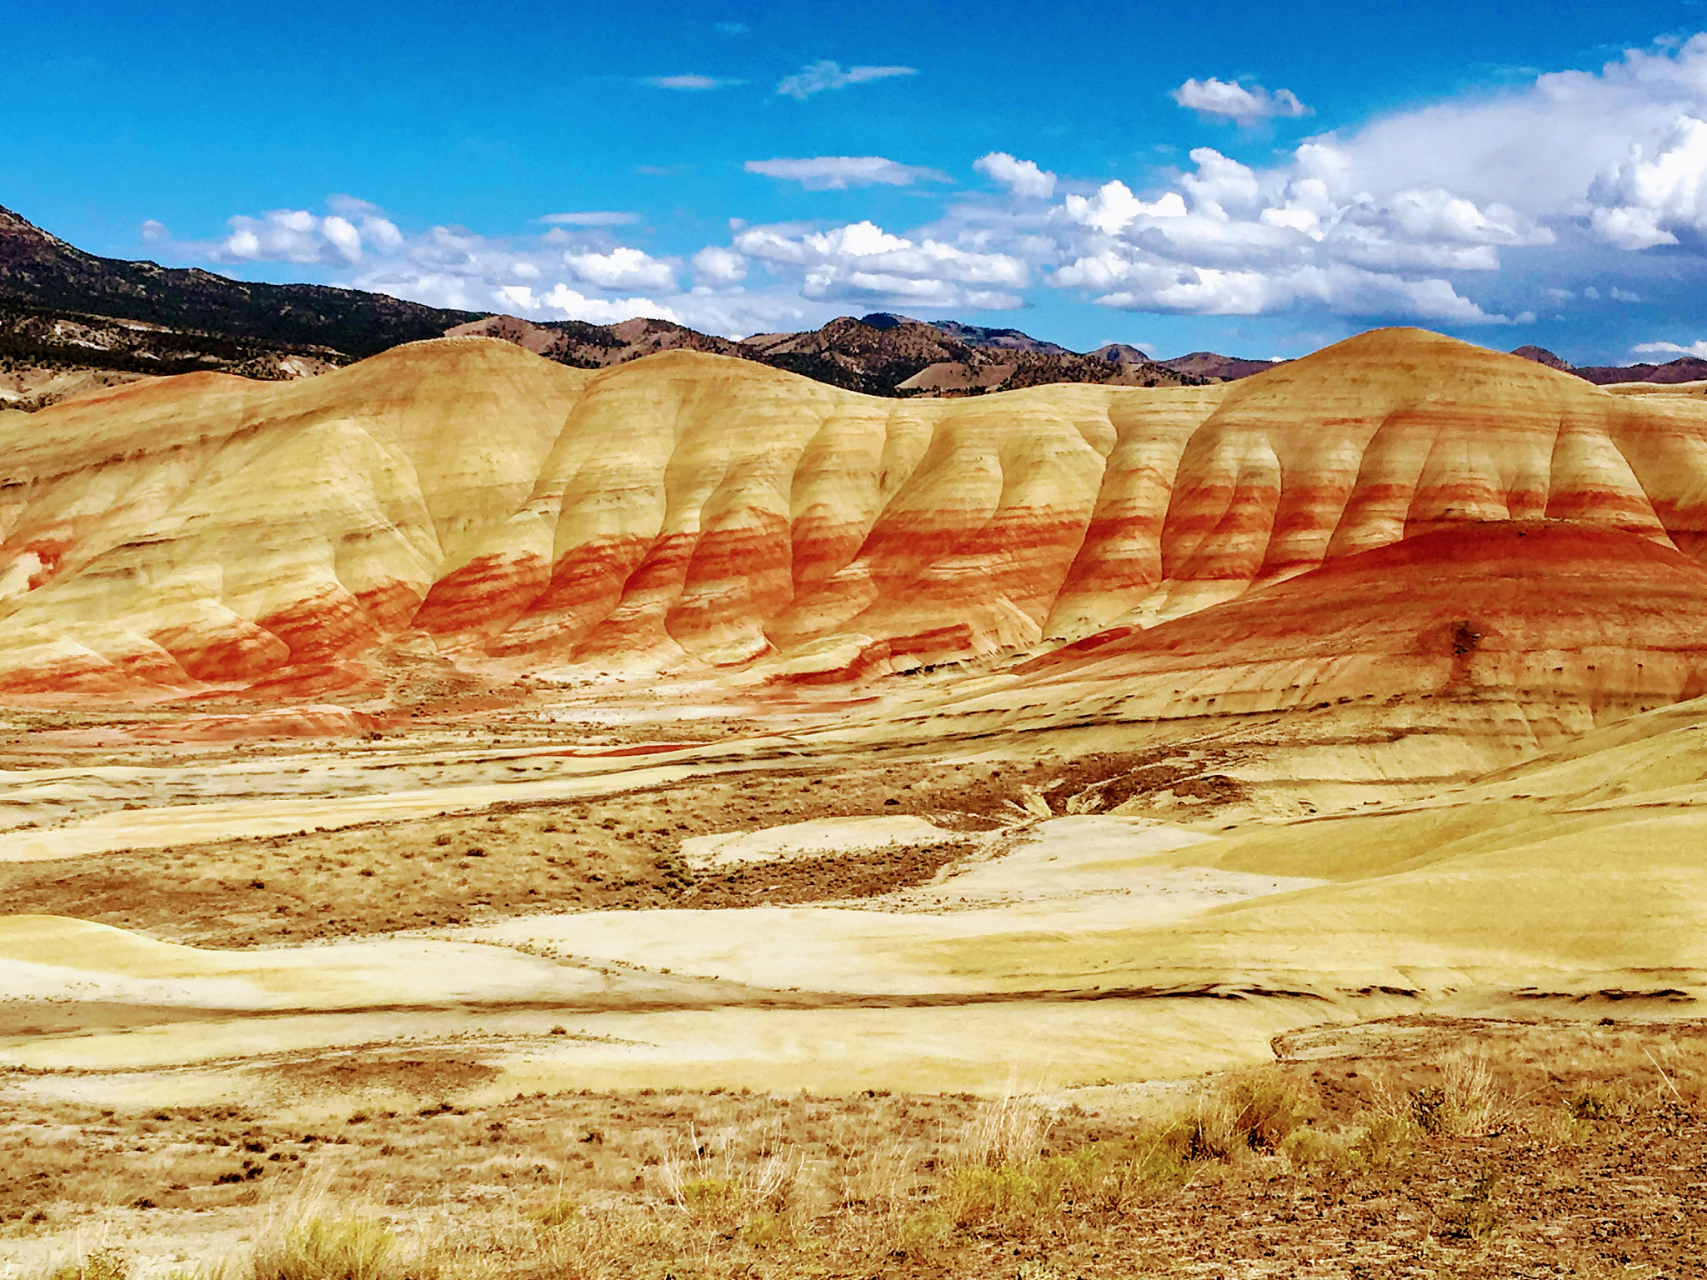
x=473, y=913
x=1578, y=1152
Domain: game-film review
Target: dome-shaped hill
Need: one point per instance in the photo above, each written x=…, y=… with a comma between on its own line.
x=691, y=508
x=1374, y=439
x=1575, y=623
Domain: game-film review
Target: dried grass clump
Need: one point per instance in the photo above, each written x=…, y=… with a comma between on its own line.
x=1469, y=1101
x=710, y=1177
x=1248, y=1113
x=337, y=1249
x=1473, y=1215
x=1010, y=1129
x=103, y=1264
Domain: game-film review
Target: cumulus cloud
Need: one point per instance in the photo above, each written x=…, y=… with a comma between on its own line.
x=820, y=76
x=1114, y=208
x=1420, y=214
x=1641, y=202
x=837, y=173
x=1696, y=349
x=1231, y=100
x=1337, y=288
x=153, y=231
x=573, y=270
x=290, y=235
x=691, y=83
x=621, y=268
x=1022, y=178
x=568, y=304
x=355, y=229
x=863, y=262
x=591, y=218
x=1229, y=239
x=719, y=267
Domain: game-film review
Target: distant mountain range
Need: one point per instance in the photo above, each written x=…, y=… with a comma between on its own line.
x=70, y=321
x=879, y=354
x=1685, y=369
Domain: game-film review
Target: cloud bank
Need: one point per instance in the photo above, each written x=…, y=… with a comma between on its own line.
x=1578, y=177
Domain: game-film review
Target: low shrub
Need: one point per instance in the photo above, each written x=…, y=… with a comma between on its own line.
x=342, y=1249
x=1474, y=1217
x=104, y=1264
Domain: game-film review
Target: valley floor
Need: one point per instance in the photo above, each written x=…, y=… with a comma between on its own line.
x=611, y=980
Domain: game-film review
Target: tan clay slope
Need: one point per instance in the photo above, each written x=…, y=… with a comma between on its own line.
x=203, y=530
x=1544, y=613
x=1574, y=874
x=208, y=527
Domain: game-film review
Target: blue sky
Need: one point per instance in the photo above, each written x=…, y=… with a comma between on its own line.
x=1252, y=178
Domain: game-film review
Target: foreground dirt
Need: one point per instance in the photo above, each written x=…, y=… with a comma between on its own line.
x=1429, y=1147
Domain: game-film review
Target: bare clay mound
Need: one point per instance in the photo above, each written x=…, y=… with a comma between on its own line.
x=688, y=512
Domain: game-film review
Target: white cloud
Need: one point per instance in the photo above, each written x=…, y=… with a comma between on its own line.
x=381, y=234
x=282, y=235
x=1337, y=288
x=296, y=235
x=691, y=83
x=837, y=173
x=1540, y=147
x=1232, y=240
x=342, y=235
x=153, y=231
x=1640, y=202
x=569, y=304
x=594, y=218
x=621, y=268
x=1022, y=178
x=1114, y=208
x=820, y=76
x=353, y=206
x=861, y=261
x=719, y=267
x=1697, y=349
x=1624, y=295
x=1233, y=101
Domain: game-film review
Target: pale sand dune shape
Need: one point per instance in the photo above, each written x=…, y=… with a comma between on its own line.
x=816, y=838
x=189, y=823
x=45, y=958
x=1697, y=389
x=978, y=1047
x=819, y=950
x=1531, y=891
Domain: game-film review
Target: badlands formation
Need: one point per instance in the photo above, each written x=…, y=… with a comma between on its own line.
x=689, y=723
x=205, y=535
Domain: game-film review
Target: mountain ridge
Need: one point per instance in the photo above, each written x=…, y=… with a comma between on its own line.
x=1683, y=369
x=72, y=322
